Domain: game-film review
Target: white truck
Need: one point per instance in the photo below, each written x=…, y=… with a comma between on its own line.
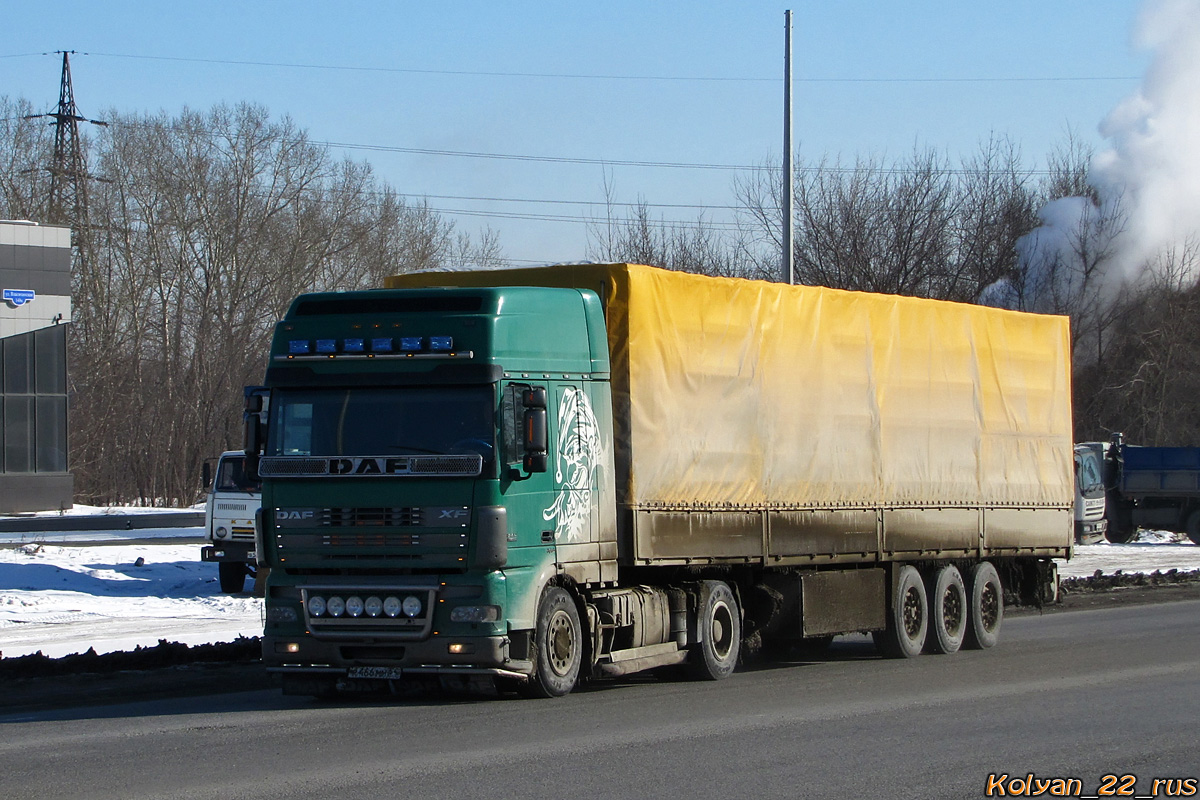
x=1091, y=522
x=229, y=521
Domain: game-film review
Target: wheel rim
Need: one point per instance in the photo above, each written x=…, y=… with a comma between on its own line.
x=561, y=644
x=721, y=630
x=913, y=613
x=952, y=610
x=989, y=607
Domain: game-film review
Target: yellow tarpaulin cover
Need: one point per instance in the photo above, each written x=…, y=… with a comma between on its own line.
x=748, y=394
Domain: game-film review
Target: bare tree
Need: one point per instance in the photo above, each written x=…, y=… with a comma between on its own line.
x=917, y=226
x=1147, y=379
x=700, y=247
x=205, y=226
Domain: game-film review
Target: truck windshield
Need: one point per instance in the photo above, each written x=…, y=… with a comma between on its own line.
x=1087, y=474
x=376, y=421
x=231, y=477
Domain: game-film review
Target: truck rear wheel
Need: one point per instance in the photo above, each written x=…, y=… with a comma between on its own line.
x=719, y=622
x=1193, y=527
x=948, y=611
x=232, y=575
x=558, y=645
x=987, y=607
x=908, y=617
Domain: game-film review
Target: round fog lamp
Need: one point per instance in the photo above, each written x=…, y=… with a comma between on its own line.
x=391, y=606
x=354, y=606
x=316, y=606
x=222, y=532
x=373, y=606
x=412, y=606
x=335, y=606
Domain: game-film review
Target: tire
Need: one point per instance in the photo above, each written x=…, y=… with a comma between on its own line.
x=949, y=612
x=232, y=575
x=1193, y=527
x=1120, y=526
x=558, y=646
x=719, y=624
x=908, y=617
x=986, y=607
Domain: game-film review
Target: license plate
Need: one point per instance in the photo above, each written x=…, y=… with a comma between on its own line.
x=377, y=673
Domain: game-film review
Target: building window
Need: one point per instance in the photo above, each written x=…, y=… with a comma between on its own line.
x=33, y=405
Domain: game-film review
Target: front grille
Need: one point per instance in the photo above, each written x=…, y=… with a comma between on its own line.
x=371, y=466
x=386, y=517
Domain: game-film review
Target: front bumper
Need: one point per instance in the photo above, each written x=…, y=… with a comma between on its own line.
x=1091, y=532
x=228, y=551
x=480, y=655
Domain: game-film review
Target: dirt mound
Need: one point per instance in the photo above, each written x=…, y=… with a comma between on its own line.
x=163, y=654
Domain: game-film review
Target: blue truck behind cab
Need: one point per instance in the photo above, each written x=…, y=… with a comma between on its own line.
x=1152, y=487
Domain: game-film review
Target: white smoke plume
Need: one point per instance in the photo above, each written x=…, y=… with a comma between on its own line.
x=1147, y=179
x=1153, y=162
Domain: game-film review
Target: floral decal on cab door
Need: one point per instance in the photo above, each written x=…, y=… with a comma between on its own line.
x=578, y=456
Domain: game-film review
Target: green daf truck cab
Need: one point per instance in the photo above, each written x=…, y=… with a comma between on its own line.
x=432, y=460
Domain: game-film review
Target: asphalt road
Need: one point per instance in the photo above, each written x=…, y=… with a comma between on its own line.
x=1112, y=691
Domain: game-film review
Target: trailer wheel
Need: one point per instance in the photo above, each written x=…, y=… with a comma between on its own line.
x=232, y=575
x=558, y=646
x=719, y=623
x=987, y=607
x=1193, y=527
x=908, y=618
x=948, y=611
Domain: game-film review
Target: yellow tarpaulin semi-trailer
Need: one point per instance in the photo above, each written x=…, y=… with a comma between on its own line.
x=799, y=423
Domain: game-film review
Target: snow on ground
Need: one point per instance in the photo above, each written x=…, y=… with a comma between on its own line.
x=65, y=599
x=1153, y=550
x=80, y=510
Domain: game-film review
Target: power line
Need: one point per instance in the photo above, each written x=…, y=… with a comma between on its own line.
x=610, y=77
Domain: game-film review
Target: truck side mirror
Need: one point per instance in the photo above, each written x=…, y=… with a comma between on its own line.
x=206, y=475
x=536, y=440
x=253, y=437
x=534, y=433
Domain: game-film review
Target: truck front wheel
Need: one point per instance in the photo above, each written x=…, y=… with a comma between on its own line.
x=558, y=642
x=719, y=623
x=908, y=620
x=232, y=575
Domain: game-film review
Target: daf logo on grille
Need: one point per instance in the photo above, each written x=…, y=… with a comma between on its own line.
x=293, y=515
x=367, y=466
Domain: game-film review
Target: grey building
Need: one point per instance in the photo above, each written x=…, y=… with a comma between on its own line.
x=35, y=307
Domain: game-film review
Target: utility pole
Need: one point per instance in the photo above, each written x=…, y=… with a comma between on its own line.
x=67, y=203
x=789, y=274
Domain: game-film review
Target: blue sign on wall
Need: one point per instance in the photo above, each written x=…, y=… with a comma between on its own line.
x=18, y=297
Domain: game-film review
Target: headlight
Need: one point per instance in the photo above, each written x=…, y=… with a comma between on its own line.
x=373, y=606
x=222, y=532
x=411, y=606
x=336, y=606
x=281, y=614
x=475, y=614
x=391, y=606
x=354, y=606
x=316, y=606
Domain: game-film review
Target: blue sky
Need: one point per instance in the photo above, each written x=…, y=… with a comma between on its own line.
x=697, y=82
